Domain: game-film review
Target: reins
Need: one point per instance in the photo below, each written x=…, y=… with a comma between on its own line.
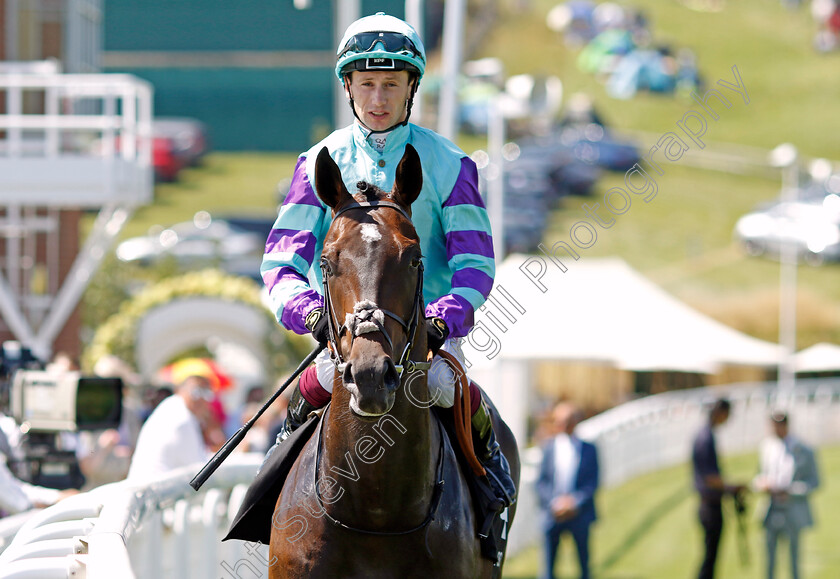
x=369, y=317
x=463, y=412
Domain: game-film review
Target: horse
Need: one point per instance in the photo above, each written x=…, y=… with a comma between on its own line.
x=377, y=491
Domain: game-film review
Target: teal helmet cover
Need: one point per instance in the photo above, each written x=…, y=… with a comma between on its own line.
x=380, y=42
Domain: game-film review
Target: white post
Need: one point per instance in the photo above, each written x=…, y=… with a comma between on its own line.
x=346, y=13
x=453, y=33
x=414, y=16
x=787, y=157
x=495, y=176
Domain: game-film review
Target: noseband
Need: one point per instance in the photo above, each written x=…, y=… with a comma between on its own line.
x=367, y=316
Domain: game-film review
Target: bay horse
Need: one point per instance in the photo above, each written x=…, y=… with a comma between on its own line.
x=377, y=491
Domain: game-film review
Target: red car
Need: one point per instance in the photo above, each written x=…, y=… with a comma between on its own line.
x=165, y=160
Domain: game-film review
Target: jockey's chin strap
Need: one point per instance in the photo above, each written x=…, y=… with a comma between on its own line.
x=367, y=317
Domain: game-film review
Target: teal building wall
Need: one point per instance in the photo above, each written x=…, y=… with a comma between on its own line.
x=259, y=73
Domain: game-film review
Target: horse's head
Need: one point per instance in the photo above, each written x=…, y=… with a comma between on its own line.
x=372, y=270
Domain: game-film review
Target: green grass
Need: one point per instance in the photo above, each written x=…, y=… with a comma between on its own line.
x=681, y=240
x=648, y=529
x=225, y=183
x=792, y=88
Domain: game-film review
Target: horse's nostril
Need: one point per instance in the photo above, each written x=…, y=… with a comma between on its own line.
x=348, y=374
x=391, y=377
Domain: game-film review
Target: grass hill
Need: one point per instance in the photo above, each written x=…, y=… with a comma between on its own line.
x=683, y=238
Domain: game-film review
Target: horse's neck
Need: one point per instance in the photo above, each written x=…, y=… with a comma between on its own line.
x=386, y=467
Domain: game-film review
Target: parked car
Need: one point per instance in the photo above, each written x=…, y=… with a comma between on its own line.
x=188, y=136
x=234, y=244
x=165, y=160
x=812, y=226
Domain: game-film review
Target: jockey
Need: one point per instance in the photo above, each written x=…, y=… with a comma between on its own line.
x=380, y=62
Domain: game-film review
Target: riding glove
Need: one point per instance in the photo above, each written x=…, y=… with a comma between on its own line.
x=317, y=323
x=436, y=333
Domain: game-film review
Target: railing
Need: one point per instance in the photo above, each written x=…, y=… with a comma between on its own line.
x=656, y=432
x=162, y=528
x=157, y=528
x=74, y=139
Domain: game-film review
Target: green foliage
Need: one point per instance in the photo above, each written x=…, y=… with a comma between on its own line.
x=117, y=334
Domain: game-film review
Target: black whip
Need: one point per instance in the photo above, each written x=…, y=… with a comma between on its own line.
x=220, y=456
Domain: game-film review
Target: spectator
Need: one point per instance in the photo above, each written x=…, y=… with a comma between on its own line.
x=710, y=485
x=255, y=394
x=172, y=436
x=788, y=475
x=16, y=495
x=566, y=489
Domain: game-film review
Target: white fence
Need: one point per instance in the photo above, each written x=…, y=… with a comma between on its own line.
x=128, y=530
x=162, y=528
x=75, y=140
x=656, y=432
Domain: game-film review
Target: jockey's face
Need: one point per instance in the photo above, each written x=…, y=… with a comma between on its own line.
x=379, y=97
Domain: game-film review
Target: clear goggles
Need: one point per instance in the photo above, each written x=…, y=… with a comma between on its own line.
x=393, y=42
x=205, y=394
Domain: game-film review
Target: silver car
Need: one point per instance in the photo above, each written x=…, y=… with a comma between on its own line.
x=812, y=226
x=199, y=243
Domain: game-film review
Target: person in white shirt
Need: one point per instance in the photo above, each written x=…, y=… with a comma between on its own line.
x=788, y=475
x=566, y=489
x=171, y=437
x=16, y=495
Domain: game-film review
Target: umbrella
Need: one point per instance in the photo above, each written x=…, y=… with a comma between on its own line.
x=177, y=372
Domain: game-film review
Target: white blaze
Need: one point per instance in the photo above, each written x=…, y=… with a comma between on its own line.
x=370, y=233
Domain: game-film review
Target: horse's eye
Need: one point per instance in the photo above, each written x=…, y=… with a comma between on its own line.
x=415, y=263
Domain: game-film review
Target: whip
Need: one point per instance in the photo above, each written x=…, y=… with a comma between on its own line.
x=237, y=437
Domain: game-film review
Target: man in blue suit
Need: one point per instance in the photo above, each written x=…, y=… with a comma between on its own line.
x=566, y=489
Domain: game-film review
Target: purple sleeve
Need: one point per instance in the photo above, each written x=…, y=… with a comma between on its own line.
x=290, y=251
x=469, y=252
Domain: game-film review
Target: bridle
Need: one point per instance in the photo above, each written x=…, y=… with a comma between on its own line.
x=367, y=316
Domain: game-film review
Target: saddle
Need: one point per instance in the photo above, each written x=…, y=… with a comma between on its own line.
x=254, y=519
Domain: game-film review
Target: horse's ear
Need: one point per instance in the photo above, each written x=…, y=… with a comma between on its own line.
x=328, y=182
x=409, y=177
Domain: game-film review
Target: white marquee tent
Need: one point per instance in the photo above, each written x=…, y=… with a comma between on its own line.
x=598, y=311
x=820, y=357
x=601, y=311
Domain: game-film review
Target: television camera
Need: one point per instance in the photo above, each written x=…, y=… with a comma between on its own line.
x=49, y=407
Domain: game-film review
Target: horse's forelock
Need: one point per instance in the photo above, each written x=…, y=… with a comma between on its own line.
x=371, y=192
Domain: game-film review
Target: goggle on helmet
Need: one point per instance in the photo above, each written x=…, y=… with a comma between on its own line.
x=380, y=42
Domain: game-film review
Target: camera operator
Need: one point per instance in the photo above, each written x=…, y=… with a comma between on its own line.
x=16, y=495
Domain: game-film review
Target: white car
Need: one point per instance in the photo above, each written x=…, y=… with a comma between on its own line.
x=812, y=226
x=202, y=242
